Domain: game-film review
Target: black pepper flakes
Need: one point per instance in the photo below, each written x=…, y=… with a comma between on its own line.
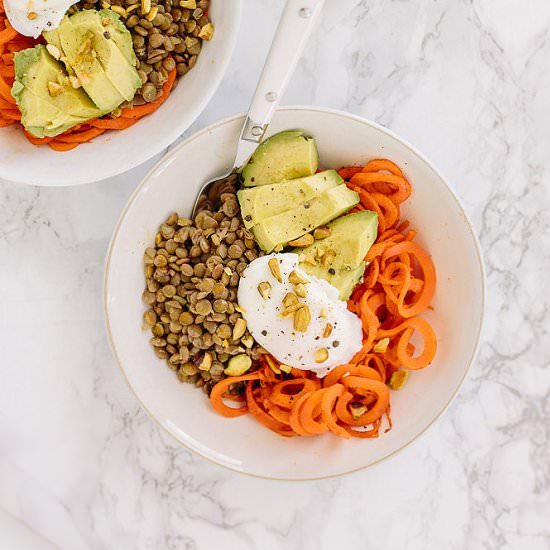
x=264, y=332
x=335, y=344
x=107, y=35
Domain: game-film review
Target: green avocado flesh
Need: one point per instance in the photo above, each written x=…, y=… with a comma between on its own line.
x=44, y=114
x=284, y=156
x=276, y=231
x=350, y=238
x=96, y=47
x=87, y=70
x=259, y=203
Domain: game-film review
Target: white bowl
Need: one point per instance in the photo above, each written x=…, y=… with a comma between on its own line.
x=242, y=444
x=116, y=152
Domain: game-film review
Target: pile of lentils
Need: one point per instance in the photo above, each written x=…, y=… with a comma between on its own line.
x=192, y=275
x=165, y=37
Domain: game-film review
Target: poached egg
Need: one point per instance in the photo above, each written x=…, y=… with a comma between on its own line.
x=32, y=17
x=317, y=348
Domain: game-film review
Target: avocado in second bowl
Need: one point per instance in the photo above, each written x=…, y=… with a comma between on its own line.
x=96, y=47
x=48, y=102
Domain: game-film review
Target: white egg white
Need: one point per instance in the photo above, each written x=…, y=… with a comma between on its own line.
x=31, y=17
x=276, y=333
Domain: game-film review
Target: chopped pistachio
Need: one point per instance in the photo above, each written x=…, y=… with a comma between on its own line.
x=301, y=290
x=206, y=362
x=309, y=260
x=275, y=269
x=248, y=341
x=398, y=379
x=328, y=330
x=239, y=329
x=53, y=51
x=321, y=233
x=321, y=355
x=285, y=368
x=303, y=241
x=238, y=365
x=329, y=256
x=207, y=32
x=381, y=346
x=290, y=299
x=152, y=13
x=264, y=288
x=357, y=411
x=291, y=309
x=120, y=10
x=302, y=318
x=272, y=364
x=145, y=6
x=295, y=278
x=188, y=4
x=54, y=88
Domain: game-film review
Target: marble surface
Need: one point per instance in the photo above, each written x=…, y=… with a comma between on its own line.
x=82, y=467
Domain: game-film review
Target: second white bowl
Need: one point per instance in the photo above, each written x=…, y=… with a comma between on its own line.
x=116, y=152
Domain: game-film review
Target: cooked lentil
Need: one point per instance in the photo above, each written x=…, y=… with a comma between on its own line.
x=192, y=274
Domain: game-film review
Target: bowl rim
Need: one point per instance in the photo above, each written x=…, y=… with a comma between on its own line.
x=174, y=132
x=323, y=110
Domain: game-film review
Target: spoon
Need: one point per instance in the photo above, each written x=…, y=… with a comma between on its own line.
x=288, y=44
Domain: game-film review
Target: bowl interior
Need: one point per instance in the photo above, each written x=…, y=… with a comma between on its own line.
x=117, y=152
x=241, y=443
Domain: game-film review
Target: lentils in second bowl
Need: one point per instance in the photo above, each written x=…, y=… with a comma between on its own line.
x=192, y=274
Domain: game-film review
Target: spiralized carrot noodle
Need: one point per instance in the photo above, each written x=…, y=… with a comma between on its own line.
x=398, y=286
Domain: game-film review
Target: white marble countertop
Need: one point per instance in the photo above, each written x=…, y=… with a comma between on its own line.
x=82, y=467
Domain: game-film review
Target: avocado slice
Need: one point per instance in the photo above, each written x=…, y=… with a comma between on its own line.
x=350, y=239
x=278, y=230
x=48, y=103
x=118, y=32
x=284, y=156
x=90, y=45
x=261, y=202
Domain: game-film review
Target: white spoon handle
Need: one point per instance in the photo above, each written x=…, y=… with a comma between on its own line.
x=288, y=44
